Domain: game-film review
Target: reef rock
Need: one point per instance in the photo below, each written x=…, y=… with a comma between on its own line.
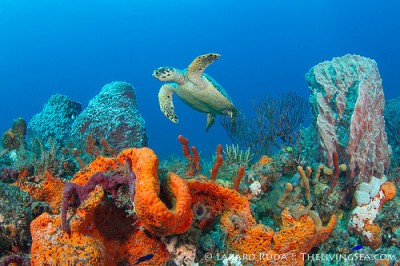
x=392, y=119
x=348, y=106
x=16, y=214
x=113, y=115
x=55, y=120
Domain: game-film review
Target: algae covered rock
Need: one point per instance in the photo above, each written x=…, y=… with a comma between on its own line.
x=55, y=120
x=392, y=120
x=13, y=138
x=113, y=115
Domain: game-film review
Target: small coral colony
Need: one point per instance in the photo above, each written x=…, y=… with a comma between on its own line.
x=82, y=187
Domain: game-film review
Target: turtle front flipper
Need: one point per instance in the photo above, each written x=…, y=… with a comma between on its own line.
x=210, y=121
x=196, y=68
x=165, y=101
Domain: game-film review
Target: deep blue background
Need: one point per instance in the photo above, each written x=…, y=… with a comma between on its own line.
x=74, y=47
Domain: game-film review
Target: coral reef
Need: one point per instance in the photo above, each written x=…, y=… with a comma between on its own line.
x=93, y=240
x=329, y=191
x=103, y=242
x=113, y=115
x=244, y=236
x=160, y=211
x=55, y=120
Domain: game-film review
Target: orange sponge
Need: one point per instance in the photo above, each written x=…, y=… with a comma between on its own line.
x=285, y=247
x=94, y=240
x=47, y=188
x=218, y=199
x=150, y=209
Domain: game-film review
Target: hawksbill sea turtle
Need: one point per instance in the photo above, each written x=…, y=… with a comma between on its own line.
x=197, y=89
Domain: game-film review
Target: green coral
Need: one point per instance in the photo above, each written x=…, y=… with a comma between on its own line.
x=234, y=155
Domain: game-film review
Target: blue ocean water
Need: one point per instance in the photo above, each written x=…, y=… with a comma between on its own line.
x=75, y=47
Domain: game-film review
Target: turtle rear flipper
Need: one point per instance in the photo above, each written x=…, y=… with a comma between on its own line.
x=165, y=101
x=210, y=121
x=196, y=68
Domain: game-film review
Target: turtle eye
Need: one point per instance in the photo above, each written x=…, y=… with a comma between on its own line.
x=157, y=72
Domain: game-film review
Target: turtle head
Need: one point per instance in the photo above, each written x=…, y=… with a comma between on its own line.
x=166, y=73
x=163, y=73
